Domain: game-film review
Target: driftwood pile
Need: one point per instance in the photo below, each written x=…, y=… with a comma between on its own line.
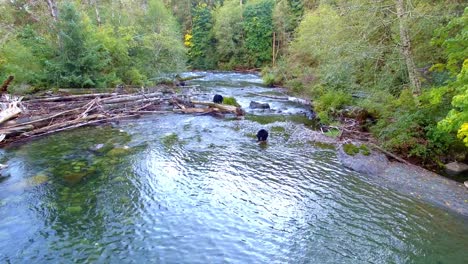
x=29, y=118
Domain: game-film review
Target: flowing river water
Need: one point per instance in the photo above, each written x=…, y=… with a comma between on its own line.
x=199, y=189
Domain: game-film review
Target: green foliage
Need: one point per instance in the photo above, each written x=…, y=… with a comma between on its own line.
x=329, y=103
x=201, y=53
x=457, y=118
x=229, y=33
x=350, y=149
x=159, y=50
x=129, y=47
x=81, y=60
x=230, y=101
x=408, y=126
x=24, y=56
x=258, y=28
x=14, y=55
x=353, y=150
x=454, y=39
x=286, y=17
x=334, y=133
x=272, y=76
x=170, y=140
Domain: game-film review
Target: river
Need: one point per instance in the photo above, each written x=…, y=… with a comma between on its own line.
x=199, y=189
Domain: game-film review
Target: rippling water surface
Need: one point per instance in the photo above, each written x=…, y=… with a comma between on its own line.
x=198, y=189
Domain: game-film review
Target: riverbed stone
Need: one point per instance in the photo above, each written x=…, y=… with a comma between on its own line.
x=38, y=180
x=97, y=147
x=73, y=178
x=257, y=105
x=74, y=209
x=456, y=168
x=373, y=164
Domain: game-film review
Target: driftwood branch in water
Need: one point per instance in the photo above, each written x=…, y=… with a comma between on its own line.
x=76, y=125
x=10, y=108
x=221, y=107
x=13, y=131
x=70, y=97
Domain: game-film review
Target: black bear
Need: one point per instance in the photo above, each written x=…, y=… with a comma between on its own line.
x=262, y=135
x=218, y=99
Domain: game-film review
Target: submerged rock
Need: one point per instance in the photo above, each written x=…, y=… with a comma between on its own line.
x=456, y=168
x=115, y=152
x=97, y=147
x=74, y=209
x=38, y=180
x=74, y=178
x=257, y=105
x=3, y=172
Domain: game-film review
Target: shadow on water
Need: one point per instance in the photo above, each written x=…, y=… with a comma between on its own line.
x=198, y=189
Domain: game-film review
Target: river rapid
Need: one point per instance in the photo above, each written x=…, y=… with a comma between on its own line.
x=199, y=189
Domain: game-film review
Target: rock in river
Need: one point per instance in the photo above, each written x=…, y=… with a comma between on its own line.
x=456, y=168
x=257, y=105
x=373, y=163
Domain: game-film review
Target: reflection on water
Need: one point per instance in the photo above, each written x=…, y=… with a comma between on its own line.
x=197, y=189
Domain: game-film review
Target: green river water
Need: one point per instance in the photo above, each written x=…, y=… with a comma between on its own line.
x=199, y=189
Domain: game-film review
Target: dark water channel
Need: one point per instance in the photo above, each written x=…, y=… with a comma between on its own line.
x=198, y=189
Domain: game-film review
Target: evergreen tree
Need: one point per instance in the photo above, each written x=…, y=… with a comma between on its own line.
x=258, y=28
x=81, y=61
x=202, y=52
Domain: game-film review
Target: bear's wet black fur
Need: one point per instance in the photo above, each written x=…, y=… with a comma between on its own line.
x=218, y=99
x=262, y=135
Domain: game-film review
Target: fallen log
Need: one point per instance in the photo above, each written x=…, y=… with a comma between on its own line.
x=58, y=126
x=47, y=118
x=10, y=108
x=130, y=98
x=73, y=126
x=13, y=131
x=70, y=97
x=9, y=113
x=149, y=112
x=126, y=104
x=221, y=107
x=196, y=110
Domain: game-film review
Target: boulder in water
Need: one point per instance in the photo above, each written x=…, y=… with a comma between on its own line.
x=257, y=105
x=372, y=163
x=456, y=168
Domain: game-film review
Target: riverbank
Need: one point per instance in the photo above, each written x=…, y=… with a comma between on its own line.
x=407, y=179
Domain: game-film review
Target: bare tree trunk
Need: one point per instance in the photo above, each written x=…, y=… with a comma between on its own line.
x=406, y=47
x=273, y=51
x=98, y=16
x=53, y=9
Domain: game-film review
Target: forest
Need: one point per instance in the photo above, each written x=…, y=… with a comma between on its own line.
x=403, y=64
